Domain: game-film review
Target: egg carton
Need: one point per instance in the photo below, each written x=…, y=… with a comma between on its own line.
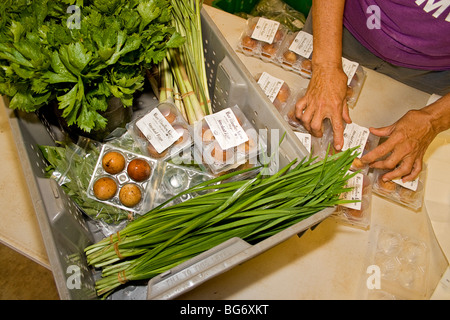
x=122, y=179
x=162, y=133
x=277, y=90
x=262, y=38
x=402, y=261
x=410, y=194
x=175, y=179
x=357, y=214
x=295, y=53
x=226, y=140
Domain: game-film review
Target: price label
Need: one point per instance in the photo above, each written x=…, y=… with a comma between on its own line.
x=270, y=85
x=265, y=30
x=226, y=129
x=158, y=131
x=302, y=44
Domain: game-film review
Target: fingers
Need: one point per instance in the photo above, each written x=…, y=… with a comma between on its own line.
x=338, y=132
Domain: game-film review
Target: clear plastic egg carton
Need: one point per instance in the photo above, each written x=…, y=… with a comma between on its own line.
x=357, y=214
x=122, y=179
x=403, y=264
x=408, y=194
x=277, y=90
x=226, y=139
x=316, y=146
x=174, y=179
x=262, y=38
x=355, y=86
x=162, y=133
x=356, y=136
x=295, y=53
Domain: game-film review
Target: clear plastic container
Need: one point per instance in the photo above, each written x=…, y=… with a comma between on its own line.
x=122, y=179
x=226, y=140
x=162, y=133
x=357, y=214
x=262, y=38
x=355, y=86
x=277, y=90
x=409, y=194
x=357, y=136
x=403, y=264
x=174, y=179
x=295, y=53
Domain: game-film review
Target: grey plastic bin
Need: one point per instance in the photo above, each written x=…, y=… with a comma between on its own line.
x=66, y=231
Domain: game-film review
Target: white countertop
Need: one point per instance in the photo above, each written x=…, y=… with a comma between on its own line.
x=328, y=262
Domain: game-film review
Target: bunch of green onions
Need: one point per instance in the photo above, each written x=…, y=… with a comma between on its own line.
x=182, y=73
x=252, y=209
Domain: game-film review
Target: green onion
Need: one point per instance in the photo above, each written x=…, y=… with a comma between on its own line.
x=251, y=209
x=183, y=69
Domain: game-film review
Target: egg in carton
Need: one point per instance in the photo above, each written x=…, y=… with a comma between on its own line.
x=295, y=53
x=277, y=90
x=262, y=38
x=122, y=178
x=226, y=139
x=162, y=133
x=357, y=213
x=409, y=194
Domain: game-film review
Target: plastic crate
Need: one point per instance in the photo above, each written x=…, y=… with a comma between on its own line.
x=66, y=231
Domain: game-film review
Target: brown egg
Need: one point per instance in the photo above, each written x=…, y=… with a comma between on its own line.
x=130, y=195
x=105, y=188
x=184, y=134
x=248, y=43
x=219, y=154
x=386, y=186
x=207, y=135
x=357, y=164
x=113, y=162
x=153, y=153
x=284, y=93
x=269, y=50
x=168, y=112
x=139, y=170
x=279, y=35
x=290, y=57
x=306, y=65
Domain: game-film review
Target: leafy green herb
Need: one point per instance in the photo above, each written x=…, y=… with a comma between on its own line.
x=43, y=60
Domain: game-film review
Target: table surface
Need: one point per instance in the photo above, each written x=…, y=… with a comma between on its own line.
x=328, y=262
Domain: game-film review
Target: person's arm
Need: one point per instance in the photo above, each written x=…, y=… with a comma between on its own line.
x=408, y=140
x=326, y=93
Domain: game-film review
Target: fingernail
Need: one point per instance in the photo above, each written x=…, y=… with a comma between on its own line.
x=338, y=147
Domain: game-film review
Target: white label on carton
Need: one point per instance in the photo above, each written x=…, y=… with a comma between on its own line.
x=350, y=68
x=270, y=85
x=265, y=30
x=411, y=185
x=305, y=139
x=226, y=129
x=302, y=44
x=355, y=135
x=158, y=130
x=356, y=183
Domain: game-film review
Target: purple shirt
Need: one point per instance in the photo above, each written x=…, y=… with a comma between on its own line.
x=407, y=33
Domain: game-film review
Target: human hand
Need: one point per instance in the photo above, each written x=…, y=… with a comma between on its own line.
x=403, y=151
x=325, y=98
